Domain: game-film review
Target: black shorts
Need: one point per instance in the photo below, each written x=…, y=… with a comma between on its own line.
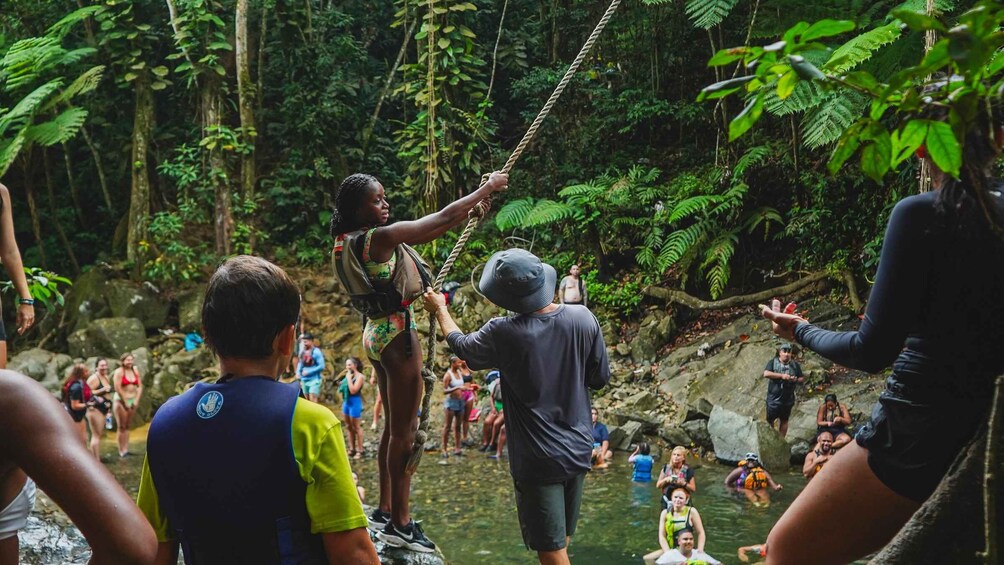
x=548, y=512
x=912, y=444
x=778, y=411
x=835, y=431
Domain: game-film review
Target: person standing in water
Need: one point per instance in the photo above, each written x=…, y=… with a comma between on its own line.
x=128, y=391
x=99, y=410
x=382, y=275
x=352, y=405
x=244, y=470
x=551, y=355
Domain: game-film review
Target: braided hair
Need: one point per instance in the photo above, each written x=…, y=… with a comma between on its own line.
x=349, y=197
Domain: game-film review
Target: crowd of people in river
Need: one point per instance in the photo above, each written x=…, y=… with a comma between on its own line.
x=934, y=313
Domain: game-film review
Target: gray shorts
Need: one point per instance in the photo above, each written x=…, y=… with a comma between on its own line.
x=15, y=516
x=548, y=512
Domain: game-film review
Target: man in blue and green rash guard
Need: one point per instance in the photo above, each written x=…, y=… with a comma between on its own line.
x=244, y=471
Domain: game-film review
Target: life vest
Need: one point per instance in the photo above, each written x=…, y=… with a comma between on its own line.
x=755, y=479
x=86, y=390
x=381, y=298
x=668, y=471
x=676, y=524
x=221, y=457
x=643, y=468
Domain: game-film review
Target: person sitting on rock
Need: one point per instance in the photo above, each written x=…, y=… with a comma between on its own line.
x=685, y=554
x=642, y=462
x=834, y=418
x=601, y=443
x=750, y=475
x=818, y=457
x=678, y=518
x=676, y=474
x=244, y=470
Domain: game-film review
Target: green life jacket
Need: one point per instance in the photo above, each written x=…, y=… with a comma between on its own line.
x=676, y=524
x=381, y=298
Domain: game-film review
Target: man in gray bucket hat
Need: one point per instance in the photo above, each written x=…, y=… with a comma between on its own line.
x=550, y=354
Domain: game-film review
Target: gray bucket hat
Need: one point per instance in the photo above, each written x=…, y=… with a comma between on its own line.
x=518, y=281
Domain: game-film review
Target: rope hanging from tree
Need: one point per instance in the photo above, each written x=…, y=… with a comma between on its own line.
x=476, y=215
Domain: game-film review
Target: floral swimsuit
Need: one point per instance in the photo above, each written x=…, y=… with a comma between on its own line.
x=381, y=331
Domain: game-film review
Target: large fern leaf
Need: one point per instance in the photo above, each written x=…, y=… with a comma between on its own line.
x=59, y=129
x=753, y=157
x=861, y=48
x=827, y=122
x=680, y=242
x=514, y=213
x=690, y=206
x=807, y=95
x=589, y=189
x=709, y=13
x=34, y=101
x=9, y=150
x=548, y=212
x=716, y=262
x=86, y=82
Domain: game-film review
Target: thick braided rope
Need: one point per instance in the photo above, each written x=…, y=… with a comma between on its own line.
x=476, y=215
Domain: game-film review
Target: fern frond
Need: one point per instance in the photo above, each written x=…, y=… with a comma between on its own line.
x=680, y=242
x=827, y=122
x=514, y=213
x=9, y=151
x=706, y=14
x=690, y=206
x=753, y=157
x=806, y=95
x=63, y=26
x=763, y=215
x=861, y=48
x=86, y=82
x=549, y=212
x=58, y=130
x=716, y=262
x=32, y=103
x=589, y=189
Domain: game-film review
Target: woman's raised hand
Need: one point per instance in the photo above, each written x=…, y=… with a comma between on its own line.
x=783, y=324
x=497, y=182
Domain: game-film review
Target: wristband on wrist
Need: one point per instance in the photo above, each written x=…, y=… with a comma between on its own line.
x=28, y=301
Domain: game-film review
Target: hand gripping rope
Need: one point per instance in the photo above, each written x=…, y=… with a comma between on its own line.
x=476, y=215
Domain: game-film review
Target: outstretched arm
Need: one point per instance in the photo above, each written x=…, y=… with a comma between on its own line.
x=428, y=228
x=41, y=440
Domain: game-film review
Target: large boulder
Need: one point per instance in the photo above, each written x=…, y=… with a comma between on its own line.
x=641, y=401
x=85, y=301
x=675, y=435
x=177, y=371
x=698, y=432
x=190, y=309
x=107, y=337
x=621, y=437
x=46, y=367
x=655, y=331
x=649, y=425
x=143, y=302
x=734, y=434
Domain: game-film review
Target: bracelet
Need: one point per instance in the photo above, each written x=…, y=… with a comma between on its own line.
x=28, y=301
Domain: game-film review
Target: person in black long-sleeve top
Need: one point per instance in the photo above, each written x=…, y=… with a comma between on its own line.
x=935, y=313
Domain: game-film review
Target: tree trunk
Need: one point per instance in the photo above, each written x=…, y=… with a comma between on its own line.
x=139, y=197
x=74, y=193
x=36, y=223
x=102, y=180
x=680, y=297
x=368, y=132
x=54, y=213
x=246, y=94
x=212, y=107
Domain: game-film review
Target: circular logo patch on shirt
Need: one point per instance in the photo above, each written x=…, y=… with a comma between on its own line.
x=209, y=405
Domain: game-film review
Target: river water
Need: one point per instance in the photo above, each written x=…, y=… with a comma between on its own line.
x=466, y=505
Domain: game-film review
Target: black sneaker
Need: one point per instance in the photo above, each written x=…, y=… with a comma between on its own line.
x=378, y=519
x=408, y=537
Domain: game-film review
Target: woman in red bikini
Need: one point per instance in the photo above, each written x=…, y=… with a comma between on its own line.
x=128, y=391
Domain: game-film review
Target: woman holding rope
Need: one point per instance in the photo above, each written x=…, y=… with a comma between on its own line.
x=363, y=237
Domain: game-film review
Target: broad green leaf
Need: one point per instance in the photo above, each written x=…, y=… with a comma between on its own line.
x=944, y=148
x=745, y=120
x=846, y=147
x=443, y=42
x=726, y=56
x=918, y=21
x=786, y=84
x=160, y=71
x=906, y=141
x=723, y=85
x=826, y=28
